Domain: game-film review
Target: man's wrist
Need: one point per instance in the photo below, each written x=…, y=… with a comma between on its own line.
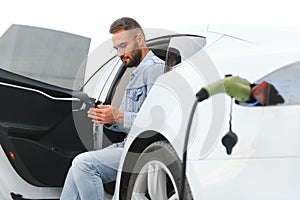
x=119, y=117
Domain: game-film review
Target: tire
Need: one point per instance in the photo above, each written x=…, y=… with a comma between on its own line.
x=157, y=175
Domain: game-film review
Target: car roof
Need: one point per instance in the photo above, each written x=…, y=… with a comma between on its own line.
x=261, y=35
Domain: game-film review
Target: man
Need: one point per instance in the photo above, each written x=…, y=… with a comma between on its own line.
x=90, y=170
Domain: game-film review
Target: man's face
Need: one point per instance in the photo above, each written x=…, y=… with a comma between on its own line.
x=125, y=42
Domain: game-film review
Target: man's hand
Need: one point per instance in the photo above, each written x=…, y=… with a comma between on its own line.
x=106, y=114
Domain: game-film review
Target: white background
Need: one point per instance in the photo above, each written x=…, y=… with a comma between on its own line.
x=92, y=18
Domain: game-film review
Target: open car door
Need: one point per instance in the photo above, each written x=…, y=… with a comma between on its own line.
x=42, y=115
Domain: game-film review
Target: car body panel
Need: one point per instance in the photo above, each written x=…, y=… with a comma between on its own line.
x=257, y=178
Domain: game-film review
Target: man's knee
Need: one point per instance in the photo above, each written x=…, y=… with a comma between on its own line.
x=81, y=161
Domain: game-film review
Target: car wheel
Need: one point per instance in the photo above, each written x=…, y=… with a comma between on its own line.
x=157, y=174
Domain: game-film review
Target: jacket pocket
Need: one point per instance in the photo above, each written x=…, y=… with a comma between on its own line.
x=136, y=93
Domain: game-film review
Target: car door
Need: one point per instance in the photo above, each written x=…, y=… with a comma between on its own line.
x=42, y=109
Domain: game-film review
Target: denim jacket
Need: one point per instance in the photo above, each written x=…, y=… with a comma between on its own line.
x=141, y=81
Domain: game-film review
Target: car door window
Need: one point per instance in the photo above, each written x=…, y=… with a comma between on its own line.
x=188, y=45
x=49, y=56
x=182, y=47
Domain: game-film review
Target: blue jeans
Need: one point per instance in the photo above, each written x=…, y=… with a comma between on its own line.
x=89, y=171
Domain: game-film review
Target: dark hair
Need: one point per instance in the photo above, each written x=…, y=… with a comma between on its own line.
x=124, y=24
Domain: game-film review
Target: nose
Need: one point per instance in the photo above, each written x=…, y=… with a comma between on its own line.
x=120, y=52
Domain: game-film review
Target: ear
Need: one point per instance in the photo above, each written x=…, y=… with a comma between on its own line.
x=140, y=39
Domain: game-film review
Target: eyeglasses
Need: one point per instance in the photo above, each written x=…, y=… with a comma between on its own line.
x=121, y=47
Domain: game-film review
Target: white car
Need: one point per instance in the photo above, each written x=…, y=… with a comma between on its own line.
x=47, y=86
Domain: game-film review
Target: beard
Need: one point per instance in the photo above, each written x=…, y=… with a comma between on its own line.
x=135, y=59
